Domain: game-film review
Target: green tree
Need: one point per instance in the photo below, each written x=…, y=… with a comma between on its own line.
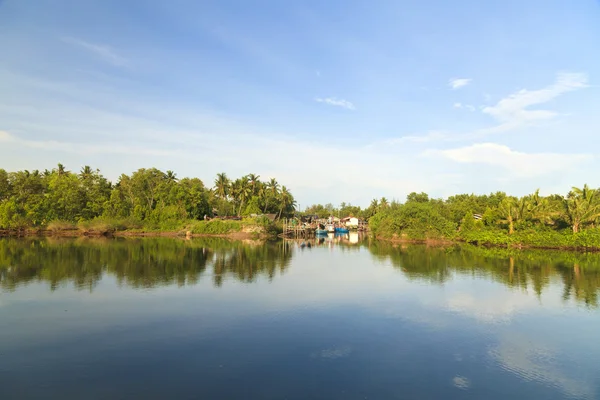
x=582, y=207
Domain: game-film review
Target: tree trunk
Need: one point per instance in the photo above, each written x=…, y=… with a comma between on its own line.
x=511, y=227
x=575, y=227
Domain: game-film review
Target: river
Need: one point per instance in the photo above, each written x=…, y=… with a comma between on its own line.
x=160, y=318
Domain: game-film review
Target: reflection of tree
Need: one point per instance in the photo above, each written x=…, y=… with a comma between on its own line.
x=139, y=263
x=535, y=269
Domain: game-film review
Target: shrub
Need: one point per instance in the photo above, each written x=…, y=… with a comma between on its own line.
x=58, y=226
x=216, y=227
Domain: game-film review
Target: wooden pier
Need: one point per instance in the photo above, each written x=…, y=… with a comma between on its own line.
x=294, y=228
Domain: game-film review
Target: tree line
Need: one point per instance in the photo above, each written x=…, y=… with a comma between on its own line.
x=36, y=198
x=496, y=218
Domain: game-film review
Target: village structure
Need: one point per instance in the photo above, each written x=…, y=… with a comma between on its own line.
x=313, y=225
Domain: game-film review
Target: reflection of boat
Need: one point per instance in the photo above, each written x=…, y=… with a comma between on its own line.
x=330, y=228
x=341, y=230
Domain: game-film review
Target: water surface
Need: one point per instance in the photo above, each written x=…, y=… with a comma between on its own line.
x=341, y=319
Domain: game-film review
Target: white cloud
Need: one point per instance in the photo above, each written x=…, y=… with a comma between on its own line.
x=332, y=101
x=513, y=111
x=457, y=83
x=465, y=106
x=102, y=51
x=522, y=164
x=82, y=149
x=431, y=136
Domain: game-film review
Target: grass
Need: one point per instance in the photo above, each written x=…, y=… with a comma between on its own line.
x=61, y=226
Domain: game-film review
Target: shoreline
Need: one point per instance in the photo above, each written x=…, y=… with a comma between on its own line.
x=28, y=233
x=247, y=235
x=515, y=246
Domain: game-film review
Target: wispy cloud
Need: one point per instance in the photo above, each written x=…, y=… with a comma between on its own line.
x=428, y=137
x=106, y=53
x=519, y=163
x=465, y=106
x=81, y=148
x=513, y=111
x=457, y=83
x=332, y=101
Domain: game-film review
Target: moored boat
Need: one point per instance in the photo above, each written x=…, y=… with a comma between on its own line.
x=321, y=232
x=341, y=230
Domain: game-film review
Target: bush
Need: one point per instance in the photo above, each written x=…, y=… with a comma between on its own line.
x=104, y=225
x=58, y=226
x=216, y=227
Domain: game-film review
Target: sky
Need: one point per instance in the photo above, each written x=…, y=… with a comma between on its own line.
x=337, y=100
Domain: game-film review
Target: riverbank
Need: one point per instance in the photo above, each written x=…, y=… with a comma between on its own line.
x=242, y=235
x=236, y=229
x=586, y=241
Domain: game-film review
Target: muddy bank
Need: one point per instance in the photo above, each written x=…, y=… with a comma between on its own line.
x=79, y=233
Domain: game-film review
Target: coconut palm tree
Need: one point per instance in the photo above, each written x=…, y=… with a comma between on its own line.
x=171, y=177
x=85, y=172
x=240, y=192
x=286, y=200
x=222, y=185
x=509, y=210
x=271, y=192
x=254, y=181
x=581, y=207
x=383, y=203
x=61, y=169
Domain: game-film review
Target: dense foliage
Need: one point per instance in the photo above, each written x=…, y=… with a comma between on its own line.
x=496, y=219
x=148, y=199
x=570, y=221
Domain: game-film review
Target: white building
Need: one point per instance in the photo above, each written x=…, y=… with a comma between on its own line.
x=352, y=222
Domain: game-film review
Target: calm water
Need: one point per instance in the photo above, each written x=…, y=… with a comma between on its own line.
x=211, y=319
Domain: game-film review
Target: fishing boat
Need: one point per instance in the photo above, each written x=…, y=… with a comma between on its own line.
x=320, y=232
x=341, y=230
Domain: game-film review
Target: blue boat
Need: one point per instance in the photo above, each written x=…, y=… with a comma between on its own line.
x=320, y=232
x=341, y=230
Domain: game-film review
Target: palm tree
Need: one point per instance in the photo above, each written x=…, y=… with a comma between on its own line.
x=581, y=207
x=171, y=177
x=271, y=192
x=254, y=182
x=509, y=210
x=286, y=200
x=61, y=169
x=383, y=203
x=222, y=185
x=86, y=172
x=244, y=192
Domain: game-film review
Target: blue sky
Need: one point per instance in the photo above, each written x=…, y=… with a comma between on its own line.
x=339, y=100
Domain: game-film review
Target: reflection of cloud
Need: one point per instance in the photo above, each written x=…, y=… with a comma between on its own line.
x=496, y=309
x=532, y=361
x=461, y=382
x=333, y=353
